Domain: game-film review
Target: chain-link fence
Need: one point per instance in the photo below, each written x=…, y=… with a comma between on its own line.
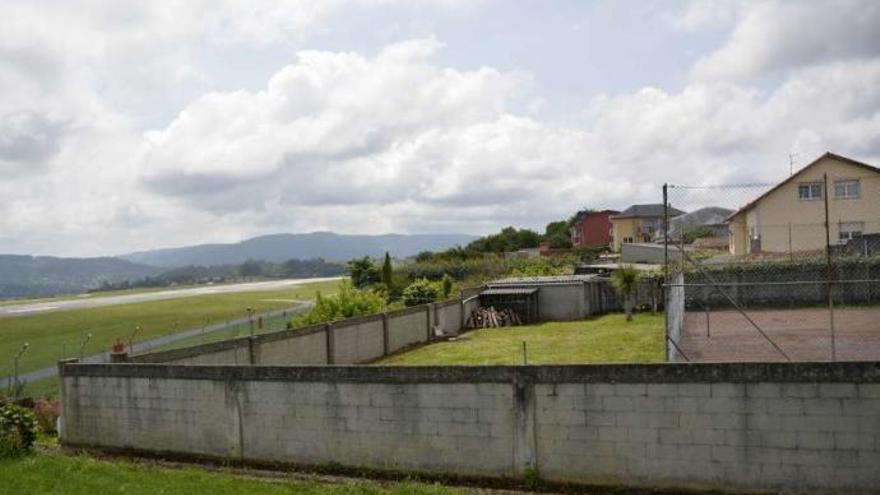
x=774, y=272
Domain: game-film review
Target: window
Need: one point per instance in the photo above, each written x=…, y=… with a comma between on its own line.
x=850, y=230
x=846, y=189
x=810, y=191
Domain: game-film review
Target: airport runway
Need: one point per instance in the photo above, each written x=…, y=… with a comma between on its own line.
x=97, y=300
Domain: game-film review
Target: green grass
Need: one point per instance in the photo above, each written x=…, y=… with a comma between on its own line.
x=80, y=475
x=51, y=333
x=606, y=339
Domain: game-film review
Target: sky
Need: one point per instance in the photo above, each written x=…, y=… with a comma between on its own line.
x=131, y=125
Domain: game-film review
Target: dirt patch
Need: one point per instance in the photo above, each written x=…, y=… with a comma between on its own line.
x=803, y=334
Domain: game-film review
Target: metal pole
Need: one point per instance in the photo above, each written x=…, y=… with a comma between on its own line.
x=666, y=233
x=666, y=263
x=250, y=311
x=82, y=346
x=829, y=271
x=708, y=333
x=14, y=389
x=137, y=328
x=525, y=353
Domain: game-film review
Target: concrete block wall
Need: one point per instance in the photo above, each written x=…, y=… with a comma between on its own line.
x=408, y=327
x=302, y=347
x=563, y=302
x=448, y=316
x=803, y=427
x=351, y=341
x=358, y=340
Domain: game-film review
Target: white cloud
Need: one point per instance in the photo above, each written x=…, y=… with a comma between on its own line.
x=772, y=36
x=389, y=141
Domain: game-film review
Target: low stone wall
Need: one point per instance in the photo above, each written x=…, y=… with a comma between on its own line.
x=746, y=426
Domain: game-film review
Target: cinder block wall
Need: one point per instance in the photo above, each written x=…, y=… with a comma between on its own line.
x=748, y=426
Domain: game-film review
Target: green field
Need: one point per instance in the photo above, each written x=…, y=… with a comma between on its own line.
x=606, y=339
x=74, y=475
x=52, y=336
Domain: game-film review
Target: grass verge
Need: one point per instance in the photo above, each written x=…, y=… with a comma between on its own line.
x=606, y=339
x=74, y=475
x=55, y=335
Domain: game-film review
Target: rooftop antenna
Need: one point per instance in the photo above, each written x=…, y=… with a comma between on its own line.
x=791, y=163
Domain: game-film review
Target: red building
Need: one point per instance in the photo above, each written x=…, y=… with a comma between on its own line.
x=592, y=229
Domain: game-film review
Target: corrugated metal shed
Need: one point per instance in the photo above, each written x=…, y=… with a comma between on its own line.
x=538, y=281
x=509, y=292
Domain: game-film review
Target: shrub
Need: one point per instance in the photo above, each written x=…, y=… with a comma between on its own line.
x=420, y=292
x=363, y=272
x=46, y=412
x=347, y=303
x=17, y=430
x=626, y=280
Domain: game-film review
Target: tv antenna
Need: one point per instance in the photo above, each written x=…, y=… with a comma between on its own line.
x=791, y=163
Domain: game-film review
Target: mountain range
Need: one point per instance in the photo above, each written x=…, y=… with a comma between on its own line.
x=281, y=247
x=42, y=276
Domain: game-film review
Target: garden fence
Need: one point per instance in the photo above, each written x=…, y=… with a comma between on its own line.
x=763, y=272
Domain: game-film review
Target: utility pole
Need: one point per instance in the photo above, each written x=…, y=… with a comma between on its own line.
x=829, y=268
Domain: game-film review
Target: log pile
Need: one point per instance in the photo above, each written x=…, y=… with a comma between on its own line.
x=492, y=318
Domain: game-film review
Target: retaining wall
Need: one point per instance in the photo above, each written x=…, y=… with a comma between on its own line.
x=747, y=426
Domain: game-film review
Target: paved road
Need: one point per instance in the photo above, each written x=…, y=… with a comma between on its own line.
x=98, y=301
x=147, y=345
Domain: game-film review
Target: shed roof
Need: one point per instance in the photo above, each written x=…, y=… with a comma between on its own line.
x=512, y=291
x=548, y=280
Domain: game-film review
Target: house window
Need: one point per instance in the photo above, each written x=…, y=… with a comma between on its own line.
x=850, y=230
x=846, y=189
x=810, y=191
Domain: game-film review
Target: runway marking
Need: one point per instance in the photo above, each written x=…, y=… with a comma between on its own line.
x=32, y=310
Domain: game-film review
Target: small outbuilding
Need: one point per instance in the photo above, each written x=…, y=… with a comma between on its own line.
x=522, y=300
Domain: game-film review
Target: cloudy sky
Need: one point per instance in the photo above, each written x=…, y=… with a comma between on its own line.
x=134, y=125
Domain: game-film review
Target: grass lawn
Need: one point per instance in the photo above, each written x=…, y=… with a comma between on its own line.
x=74, y=475
x=606, y=339
x=51, y=333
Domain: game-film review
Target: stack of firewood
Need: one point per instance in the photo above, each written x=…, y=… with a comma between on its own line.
x=491, y=318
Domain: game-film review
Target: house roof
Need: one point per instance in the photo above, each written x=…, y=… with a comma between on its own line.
x=647, y=211
x=827, y=154
x=581, y=215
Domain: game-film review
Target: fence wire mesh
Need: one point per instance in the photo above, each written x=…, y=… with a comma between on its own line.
x=764, y=272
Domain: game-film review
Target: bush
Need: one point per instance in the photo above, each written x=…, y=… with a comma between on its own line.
x=47, y=415
x=364, y=272
x=347, y=303
x=17, y=430
x=421, y=291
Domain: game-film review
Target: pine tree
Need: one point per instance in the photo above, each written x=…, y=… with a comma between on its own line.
x=386, y=271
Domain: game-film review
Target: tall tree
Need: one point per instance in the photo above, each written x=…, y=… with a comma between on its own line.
x=557, y=234
x=387, y=271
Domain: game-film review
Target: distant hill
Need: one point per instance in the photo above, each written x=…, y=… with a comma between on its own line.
x=39, y=276
x=281, y=247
